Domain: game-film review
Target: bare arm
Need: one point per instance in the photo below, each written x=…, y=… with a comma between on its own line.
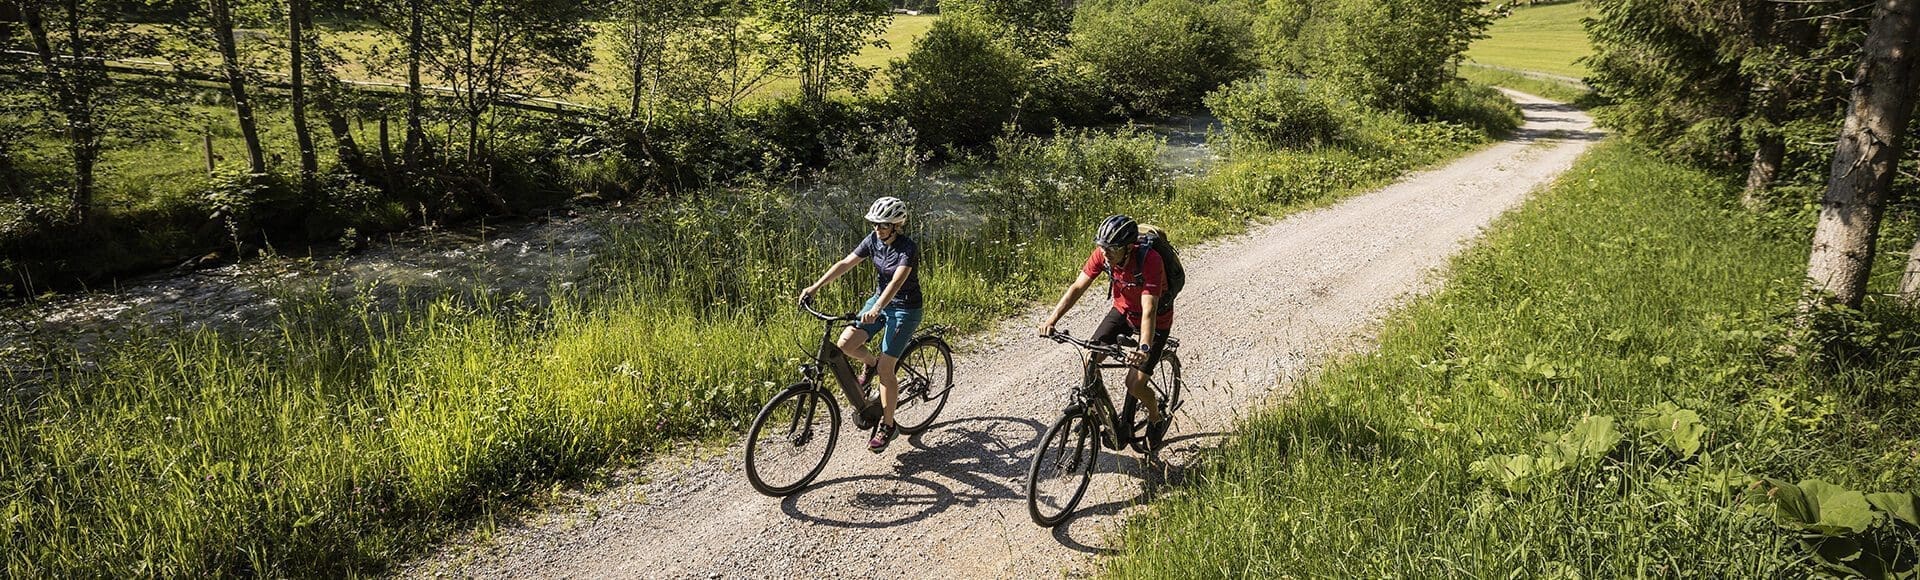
x=1067, y=300
x=833, y=272
x=886, y=296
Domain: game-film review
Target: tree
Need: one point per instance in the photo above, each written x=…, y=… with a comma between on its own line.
x=219, y=23
x=72, y=74
x=1910, y=280
x=485, y=49
x=1163, y=56
x=1397, y=54
x=959, y=84
x=296, y=66
x=1865, y=159
x=328, y=94
x=820, y=39
x=1036, y=28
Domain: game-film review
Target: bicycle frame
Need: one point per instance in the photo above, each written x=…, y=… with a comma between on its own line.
x=1094, y=400
x=866, y=411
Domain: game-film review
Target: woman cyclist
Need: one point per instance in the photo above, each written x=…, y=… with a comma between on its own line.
x=894, y=307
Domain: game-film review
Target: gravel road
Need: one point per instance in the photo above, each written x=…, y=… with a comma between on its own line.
x=1259, y=310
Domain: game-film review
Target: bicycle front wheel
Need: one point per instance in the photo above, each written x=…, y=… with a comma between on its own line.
x=791, y=439
x=1062, y=466
x=926, y=378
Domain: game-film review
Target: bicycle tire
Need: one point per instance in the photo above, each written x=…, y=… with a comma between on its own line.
x=1167, y=374
x=802, y=406
x=1072, y=444
x=924, y=384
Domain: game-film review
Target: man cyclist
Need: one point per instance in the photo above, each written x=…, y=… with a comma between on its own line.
x=1139, y=308
x=894, y=307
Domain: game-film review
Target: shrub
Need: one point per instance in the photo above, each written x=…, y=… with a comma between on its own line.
x=1162, y=56
x=1478, y=106
x=958, y=85
x=1274, y=110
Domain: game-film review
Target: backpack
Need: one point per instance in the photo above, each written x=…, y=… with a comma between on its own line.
x=1156, y=239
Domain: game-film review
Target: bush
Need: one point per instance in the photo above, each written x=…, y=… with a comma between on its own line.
x=1162, y=56
x=1273, y=110
x=1390, y=54
x=1478, y=106
x=959, y=84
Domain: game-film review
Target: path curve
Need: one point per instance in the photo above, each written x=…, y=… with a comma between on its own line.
x=1259, y=309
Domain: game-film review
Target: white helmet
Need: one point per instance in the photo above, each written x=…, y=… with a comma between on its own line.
x=888, y=210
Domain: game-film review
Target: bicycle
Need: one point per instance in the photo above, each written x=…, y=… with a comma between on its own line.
x=1064, y=461
x=794, y=434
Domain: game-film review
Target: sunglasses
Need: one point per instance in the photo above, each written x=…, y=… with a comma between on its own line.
x=884, y=225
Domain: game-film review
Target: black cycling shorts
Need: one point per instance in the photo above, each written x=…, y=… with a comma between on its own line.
x=1115, y=325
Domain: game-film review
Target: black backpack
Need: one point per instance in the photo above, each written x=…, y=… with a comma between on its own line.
x=1156, y=239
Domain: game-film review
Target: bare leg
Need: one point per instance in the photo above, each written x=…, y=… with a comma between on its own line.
x=854, y=343
x=889, y=387
x=1137, y=385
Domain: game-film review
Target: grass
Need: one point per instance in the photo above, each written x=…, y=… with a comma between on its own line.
x=1545, y=39
x=1559, y=91
x=352, y=434
x=1627, y=285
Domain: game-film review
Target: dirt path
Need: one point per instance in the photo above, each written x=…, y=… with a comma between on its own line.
x=1258, y=310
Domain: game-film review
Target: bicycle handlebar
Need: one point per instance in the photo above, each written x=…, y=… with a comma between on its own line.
x=1113, y=350
x=807, y=305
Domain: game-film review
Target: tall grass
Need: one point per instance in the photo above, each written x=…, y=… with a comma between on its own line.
x=353, y=433
x=1626, y=285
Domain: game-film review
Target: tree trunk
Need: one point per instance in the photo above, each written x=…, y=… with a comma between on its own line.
x=72, y=91
x=296, y=41
x=326, y=97
x=221, y=15
x=1864, y=161
x=416, y=137
x=1910, y=281
x=1769, y=149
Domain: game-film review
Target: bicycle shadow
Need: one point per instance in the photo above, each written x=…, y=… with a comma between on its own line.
x=976, y=454
x=1150, y=480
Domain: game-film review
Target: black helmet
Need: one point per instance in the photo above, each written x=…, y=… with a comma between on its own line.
x=1117, y=231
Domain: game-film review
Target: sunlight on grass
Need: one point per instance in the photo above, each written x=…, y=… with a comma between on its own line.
x=1538, y=38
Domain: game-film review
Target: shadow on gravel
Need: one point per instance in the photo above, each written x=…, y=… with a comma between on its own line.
x=979, y=455
x=1152, y=478
x=1554, y=112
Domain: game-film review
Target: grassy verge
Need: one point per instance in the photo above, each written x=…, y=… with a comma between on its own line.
x=351, y=435
x=1551, y=89
x=1597, y=393
x=1540, y=38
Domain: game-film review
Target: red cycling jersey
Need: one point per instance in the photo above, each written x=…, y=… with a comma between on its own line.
x=1126, y=293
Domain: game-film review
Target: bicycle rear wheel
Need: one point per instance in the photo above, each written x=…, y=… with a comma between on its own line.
x=1062, y=466
x=926, y=378
x=1166, y=379
x=791, y=439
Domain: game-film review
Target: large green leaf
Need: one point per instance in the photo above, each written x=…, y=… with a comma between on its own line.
x=1791, y=508
x=1838, y=510
x=1902, y=506
x=1590, y=440
x=1679, y=430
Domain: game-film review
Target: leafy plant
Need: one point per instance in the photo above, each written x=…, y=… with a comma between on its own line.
x=1847, y=531
x=1678, y=430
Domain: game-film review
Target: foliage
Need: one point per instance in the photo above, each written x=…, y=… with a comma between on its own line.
x=1037, y=28
x=959, y=85
x=1629, y=289
x=819, y=39
x=1276, y=111
x=1161, y=57
x=1396, y=54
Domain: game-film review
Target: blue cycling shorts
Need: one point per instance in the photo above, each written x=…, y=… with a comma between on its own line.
x=899, y=324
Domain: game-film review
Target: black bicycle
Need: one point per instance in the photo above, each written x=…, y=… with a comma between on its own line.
x=1064, y=462
x=794, y=434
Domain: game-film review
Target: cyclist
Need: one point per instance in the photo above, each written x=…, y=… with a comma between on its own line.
x=1138, y=306
x=894, y=307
